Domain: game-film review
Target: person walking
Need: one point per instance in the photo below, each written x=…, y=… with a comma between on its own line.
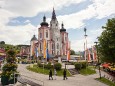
x=50, y=74
x=55, y=73
x=64, y=74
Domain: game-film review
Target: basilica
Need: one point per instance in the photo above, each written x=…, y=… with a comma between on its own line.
x=57, y=41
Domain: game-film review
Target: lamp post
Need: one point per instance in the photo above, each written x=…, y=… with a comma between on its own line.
x=85, y=43
x=98, y=58
x=85, y=48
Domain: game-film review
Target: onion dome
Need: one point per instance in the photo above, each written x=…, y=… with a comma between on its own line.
x=44, y=23
x=33, y=38
x=62, y=28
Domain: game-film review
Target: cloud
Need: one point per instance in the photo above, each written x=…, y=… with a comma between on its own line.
x=5, y=16
x=78, y=45
x=27, y=21
x=76, y=20
x=15, y=21
x=96, y=32
x=98, y=9
x=104, y=8
x=18, y=35
x=30, y=8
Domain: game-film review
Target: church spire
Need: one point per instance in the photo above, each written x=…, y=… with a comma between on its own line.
x=53, y=14
x=44, y=23
x=44, y=19
x=62, y=28
x=62, y=25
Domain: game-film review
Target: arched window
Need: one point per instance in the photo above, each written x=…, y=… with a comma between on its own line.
x=65, y=38
x=40, y=35
x=47, y=45
x=57, y=52
x=52, y=46
x=57, y=39
x=46, y=33
x=40, y=47
x=57, y=46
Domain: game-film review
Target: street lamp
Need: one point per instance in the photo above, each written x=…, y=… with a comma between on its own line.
x=98, y=59
x=85, y=44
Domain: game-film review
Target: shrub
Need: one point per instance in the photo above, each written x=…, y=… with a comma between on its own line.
x=72, y=63
x=40, y=65
x=48, y=66
x=57, y=66
x=78, y=66
x=84, y=64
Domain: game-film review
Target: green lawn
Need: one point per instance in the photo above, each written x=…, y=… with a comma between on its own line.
x=106, y=81
x=87, y=71
x=37, y=69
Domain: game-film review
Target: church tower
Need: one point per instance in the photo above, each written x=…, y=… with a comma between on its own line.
x=44, y=34
x=32, y=43
x=55, y=34
x=64, y=40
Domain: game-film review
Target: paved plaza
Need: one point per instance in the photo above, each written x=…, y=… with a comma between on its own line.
x=76, y=80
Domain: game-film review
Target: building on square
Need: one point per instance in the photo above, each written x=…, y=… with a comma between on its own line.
x=56, y=38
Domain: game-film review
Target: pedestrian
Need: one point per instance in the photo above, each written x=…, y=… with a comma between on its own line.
x=55, y=73
x=64, y=74
x=50, y=74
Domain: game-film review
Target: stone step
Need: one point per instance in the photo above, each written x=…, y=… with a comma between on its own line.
x=27, y=82
x=73, y=71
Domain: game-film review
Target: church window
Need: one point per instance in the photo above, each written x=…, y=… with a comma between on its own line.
x=57, y=52
x=47, y=45
x=57, y=39
x=52, y=46
x=40, y=35
x=65, y=38
x=56, y=24
x=46, y=33
x=57, y=46
x=52, y=52
x=40, y=46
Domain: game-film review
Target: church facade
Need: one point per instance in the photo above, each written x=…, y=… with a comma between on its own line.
x=57, y=41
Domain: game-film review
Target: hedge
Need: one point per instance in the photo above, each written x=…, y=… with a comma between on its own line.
x=57, y=66
x=78, y=66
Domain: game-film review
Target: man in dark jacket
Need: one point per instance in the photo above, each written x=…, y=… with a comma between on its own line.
x=64, y=74
x=50, y=74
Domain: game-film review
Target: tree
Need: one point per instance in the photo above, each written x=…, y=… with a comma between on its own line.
x=72, y=52
x=106, y=45
x=8, y=70
x=2, y=42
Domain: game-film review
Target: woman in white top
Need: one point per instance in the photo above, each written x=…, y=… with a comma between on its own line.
x=55, y=73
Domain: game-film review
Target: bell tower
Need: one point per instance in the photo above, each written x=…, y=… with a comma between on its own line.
x=55, y=33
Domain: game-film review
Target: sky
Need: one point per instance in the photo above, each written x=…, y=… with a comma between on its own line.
x=20, y=19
